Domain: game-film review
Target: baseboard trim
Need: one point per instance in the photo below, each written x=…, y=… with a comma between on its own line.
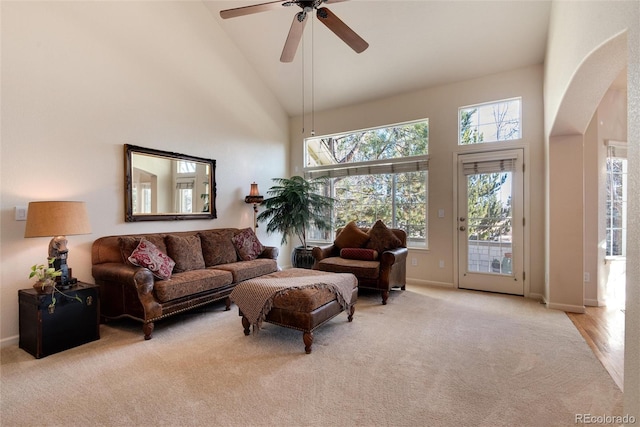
x=566, y=307
x=6, y=342
x=419, y=282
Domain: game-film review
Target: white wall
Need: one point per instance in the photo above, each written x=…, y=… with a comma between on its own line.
x=440, y=105
x=589, y=44
x=80, y=79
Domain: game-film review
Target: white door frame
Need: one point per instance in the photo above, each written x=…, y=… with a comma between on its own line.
x=526, y=244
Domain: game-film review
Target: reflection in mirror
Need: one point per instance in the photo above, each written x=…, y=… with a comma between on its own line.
x=168, y=186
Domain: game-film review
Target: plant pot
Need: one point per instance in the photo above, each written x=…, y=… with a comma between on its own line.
x=301, y=257
x=47, y=288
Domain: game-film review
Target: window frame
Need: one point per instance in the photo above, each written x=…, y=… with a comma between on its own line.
x=421, y=161
x=489, y=103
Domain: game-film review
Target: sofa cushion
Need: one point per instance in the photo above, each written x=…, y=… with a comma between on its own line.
x=147, y=255
x=361, y=269
x=244, y=270
x=359, y=253
x=129, y=243
x=381, y=238
x=185, y=251
x=217, y=247
x=190, y=283
x=247, y=244
x=351, y=237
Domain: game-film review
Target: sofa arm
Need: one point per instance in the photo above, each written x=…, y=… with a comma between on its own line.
x=321, y=252
x=127, y=276
x=270, y=252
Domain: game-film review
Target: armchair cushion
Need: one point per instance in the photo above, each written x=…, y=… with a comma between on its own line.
x=359, y=253
x=351, y=237
x=381, y=238
x=361, y=269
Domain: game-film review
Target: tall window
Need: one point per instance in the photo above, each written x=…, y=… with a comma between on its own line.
x=490, y=122
x=616, y=200
x=375, y=174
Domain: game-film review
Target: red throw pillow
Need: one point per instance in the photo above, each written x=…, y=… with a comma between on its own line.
x=147, y=255
x=247, y=245
x=359, y=254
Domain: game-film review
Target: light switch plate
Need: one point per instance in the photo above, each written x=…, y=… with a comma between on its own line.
x=21, y=213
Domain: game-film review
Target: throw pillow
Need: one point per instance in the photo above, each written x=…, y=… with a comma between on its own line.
x=381, y=238
x=359, y=254
x=351, y=237
x=129, y=243
x=185, y=251
x=247, y=245
x=217, y=247
x=147, y=255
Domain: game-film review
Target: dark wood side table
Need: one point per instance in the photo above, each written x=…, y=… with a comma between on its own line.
x=69, y=324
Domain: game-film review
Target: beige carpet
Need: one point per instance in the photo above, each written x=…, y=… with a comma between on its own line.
x=431, y=357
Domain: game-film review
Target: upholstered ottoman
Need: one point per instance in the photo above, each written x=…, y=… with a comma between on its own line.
x=296, y=298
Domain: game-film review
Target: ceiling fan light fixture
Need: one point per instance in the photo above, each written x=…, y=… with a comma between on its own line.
x=328, y=18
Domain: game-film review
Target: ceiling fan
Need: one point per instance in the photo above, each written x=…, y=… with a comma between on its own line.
x=325, y=16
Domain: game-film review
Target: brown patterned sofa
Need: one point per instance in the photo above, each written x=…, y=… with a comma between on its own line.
x=207, y=268
x=376, y=256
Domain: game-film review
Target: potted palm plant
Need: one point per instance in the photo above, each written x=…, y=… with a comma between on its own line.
x=293, y=206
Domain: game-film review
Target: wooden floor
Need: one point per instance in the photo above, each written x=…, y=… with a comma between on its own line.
x=603, y=329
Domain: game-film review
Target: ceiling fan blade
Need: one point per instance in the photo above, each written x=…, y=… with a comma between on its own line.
x=333, y=1
x=248, y=10
x=293, y=39
x=342, y=30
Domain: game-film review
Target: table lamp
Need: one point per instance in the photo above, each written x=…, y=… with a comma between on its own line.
x=254, y=198
x=57, y=220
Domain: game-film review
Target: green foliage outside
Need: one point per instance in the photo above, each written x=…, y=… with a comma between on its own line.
x=485, y=210
x=367, y=198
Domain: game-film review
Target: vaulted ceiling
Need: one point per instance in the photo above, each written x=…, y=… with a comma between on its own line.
x=412, y=45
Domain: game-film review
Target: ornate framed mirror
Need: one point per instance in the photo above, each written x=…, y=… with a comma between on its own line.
x=166, y=186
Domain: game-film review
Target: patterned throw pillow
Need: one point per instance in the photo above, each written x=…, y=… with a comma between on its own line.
x=185, y=251
x=247, y=245
x=359, y=254
x=217, y=247
x=351, y=237
x=381, y=238
x=129, y=243
x=148, y=255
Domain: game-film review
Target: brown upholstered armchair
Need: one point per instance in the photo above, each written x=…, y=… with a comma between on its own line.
x=376, y=256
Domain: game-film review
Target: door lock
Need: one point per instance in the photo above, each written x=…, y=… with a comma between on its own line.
x=462, y=228
x=462, y=219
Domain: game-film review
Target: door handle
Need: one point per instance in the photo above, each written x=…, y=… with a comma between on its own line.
x=462, y=219
x=462, y=228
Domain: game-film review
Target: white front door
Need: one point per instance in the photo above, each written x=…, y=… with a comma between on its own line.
x=490, y=222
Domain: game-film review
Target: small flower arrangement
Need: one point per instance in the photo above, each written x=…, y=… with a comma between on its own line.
x=46, y=281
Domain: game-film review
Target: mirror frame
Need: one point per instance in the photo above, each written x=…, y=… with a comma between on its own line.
x=129, y=216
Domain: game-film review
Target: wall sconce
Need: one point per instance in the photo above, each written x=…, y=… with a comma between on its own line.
x=57, y=219
x=254, y=198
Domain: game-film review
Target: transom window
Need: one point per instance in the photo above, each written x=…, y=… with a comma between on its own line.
x=375, y=174
x=490, y=122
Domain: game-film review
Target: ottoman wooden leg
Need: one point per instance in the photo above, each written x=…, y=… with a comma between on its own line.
x=307, y=337
x=352, y=310
x=246, y=325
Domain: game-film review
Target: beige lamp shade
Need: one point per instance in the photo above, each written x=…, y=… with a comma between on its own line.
x=47, y=219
